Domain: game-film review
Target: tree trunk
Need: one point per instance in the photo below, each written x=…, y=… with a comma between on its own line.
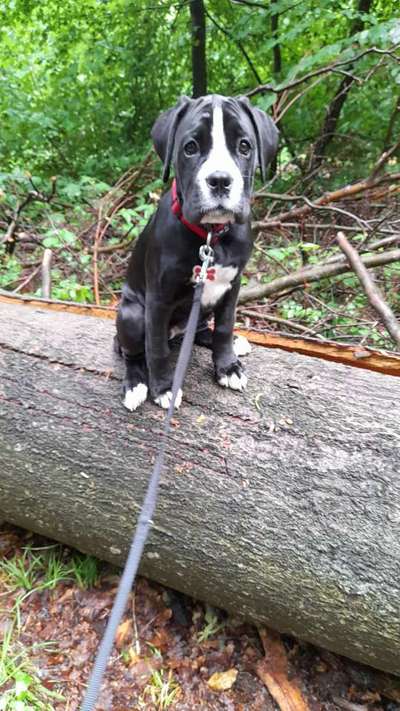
x=199, y=62
x=276, y=50
x=281, y=505
x=335, y=107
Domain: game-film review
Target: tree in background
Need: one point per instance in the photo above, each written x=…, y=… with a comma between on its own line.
x=199, y=61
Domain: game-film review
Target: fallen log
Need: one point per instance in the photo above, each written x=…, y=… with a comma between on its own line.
x=281, y=505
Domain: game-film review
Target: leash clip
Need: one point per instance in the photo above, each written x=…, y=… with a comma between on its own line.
x=206, y=254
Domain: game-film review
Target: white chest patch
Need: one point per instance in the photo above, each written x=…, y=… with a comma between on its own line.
x=214, y=290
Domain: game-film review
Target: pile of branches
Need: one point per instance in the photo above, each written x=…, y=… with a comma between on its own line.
x=369, y=207
x=325, y=219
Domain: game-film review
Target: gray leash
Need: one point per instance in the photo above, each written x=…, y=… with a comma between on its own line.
x=145, y=519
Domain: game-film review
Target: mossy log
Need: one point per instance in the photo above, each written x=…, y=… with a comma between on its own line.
x=281, y=505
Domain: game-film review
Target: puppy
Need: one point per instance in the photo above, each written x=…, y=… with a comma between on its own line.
x=215, y=144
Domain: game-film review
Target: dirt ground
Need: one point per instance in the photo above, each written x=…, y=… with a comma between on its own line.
x=54, y=604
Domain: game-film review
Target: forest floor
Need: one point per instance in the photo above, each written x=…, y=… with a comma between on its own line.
x=171, y=652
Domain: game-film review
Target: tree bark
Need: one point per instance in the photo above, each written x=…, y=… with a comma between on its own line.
x=281, y=505
x=199, y=61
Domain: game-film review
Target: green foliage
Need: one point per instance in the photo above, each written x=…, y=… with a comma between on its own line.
x=11, y=273
x=81, y=83
x=212, y=625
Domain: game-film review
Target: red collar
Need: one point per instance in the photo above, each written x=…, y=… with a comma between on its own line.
x=176, y=208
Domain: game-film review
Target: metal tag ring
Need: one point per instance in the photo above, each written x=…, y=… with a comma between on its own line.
x=205, y=252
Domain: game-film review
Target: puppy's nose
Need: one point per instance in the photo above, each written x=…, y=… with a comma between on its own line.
x=219, y=182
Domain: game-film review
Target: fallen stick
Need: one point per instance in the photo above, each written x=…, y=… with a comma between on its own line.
x=273, y=672
x=46, y=274
x=374, y=295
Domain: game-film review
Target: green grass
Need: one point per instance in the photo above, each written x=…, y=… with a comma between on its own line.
x=162, y=689
x=22, y=571
x=85, y=569
x=41, y=569
x=21, y=687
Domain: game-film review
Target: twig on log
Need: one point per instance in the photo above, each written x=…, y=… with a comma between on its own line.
x=374, y=295
x=365, y=247
x=304, y=276
x=46, y=274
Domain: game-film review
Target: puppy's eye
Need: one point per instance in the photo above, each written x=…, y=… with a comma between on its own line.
x=244, y=147
x=190, y=148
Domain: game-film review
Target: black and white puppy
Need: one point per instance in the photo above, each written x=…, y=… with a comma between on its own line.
x=215, y=144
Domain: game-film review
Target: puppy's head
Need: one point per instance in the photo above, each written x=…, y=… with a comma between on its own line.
x=215, y=144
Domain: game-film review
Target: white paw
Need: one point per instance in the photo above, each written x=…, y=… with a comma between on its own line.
x=135, y=396
x=164, y=400
x=233, y=381
x=241, y=346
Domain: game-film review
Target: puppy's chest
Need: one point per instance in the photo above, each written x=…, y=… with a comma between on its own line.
x=217, y=284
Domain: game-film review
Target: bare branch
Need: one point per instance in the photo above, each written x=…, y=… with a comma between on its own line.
x=345, y=192
x=305, y=276
x=264, y=88
x=281, y=321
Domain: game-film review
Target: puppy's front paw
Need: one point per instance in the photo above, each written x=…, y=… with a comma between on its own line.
x=232, y=377
x=241, y=346
x=135, y=396
x=164, y=399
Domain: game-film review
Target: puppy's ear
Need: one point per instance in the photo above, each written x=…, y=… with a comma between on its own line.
x=164, y=131
x=267, y=134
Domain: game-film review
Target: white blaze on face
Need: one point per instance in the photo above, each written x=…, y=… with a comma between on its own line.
x=220, y=159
